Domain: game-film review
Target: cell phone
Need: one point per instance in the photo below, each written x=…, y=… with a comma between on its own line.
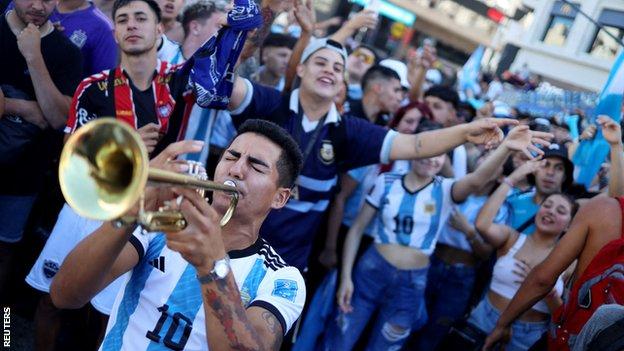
x=373, y=5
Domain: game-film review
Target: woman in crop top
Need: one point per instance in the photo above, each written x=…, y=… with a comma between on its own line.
x=517, y=255
x=454, y=264
x=409, y=211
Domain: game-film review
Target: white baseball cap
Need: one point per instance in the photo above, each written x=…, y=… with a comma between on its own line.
x=317, y=44
x=400, y=68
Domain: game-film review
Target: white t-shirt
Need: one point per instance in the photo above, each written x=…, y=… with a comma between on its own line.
x=169, y=51
x=160, y=305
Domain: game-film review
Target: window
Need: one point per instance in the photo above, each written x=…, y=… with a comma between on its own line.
x=604, y=46
x=560, y=24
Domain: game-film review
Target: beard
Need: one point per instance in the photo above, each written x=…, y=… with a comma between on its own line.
x=23, y=16
x=139, y=51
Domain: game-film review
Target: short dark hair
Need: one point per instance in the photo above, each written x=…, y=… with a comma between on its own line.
x=444, y=93
x=290, y=160
x=151, y=3
x=378, y=72
x=199, y=10
x=279, y=40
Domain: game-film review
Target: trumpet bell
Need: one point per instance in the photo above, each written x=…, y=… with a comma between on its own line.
x=103, y=170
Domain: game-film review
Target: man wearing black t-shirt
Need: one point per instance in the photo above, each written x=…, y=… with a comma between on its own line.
x=41, y=69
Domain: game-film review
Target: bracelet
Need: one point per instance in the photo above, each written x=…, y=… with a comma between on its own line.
x=507, y=181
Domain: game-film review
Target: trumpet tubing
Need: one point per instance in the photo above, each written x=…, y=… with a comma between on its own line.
x=104, y=169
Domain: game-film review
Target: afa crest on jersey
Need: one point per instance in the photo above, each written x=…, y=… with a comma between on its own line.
x=327, y=152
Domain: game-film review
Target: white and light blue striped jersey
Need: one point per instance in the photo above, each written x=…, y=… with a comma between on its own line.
x=407, y=218
x=160, y=306
x=470, y=209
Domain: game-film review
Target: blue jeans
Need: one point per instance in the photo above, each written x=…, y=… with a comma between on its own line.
x=523, y=334
x=398, y=294
x=448, y=292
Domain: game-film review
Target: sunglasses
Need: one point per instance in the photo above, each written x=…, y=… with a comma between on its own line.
x=364, y=56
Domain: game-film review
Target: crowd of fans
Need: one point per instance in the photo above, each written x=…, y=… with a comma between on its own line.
x=383, y=213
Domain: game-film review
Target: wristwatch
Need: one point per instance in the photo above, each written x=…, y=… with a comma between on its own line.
x=219, y=271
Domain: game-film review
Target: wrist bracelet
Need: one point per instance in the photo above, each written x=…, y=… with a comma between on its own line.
x=507, y=181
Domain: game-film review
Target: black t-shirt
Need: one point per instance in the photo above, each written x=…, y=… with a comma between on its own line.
x=64, y=63
x=356, y=109
x=144, y=105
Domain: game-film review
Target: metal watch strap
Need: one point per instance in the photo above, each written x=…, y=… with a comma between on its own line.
x=212, y=276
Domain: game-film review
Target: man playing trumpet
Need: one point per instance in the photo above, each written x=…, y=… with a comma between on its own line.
x=204, y=287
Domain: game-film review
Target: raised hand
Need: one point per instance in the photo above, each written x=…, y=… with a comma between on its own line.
x=167, y=160
x=487, y=131
x=611, y=130
x=521, y=138
x=305, y=15
x=200, y=243
x=278, y=6
x=363, y=19
x=589, y=132
x=527, y=168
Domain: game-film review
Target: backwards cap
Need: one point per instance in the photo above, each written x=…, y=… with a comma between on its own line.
x=317, y=44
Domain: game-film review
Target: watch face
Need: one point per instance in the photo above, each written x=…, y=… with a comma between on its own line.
x=221, y=269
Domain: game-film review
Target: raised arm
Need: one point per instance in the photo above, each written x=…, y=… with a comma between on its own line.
x=304, y=13
x=497, y=234
x=427, y=144
x=544, y=276
x=363, y=19
x=520, y=138
x=613, y=135
x=417, y=70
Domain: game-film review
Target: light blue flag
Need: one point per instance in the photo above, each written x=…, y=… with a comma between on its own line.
x=591, y=153
x=469, y=74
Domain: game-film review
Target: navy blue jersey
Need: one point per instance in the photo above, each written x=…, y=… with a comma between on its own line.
x=291, y=230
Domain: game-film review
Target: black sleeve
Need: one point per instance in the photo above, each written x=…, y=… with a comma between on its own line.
x=68, y=73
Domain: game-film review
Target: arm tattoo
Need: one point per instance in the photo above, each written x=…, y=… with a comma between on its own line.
x=229, y=312
x=275, y=328
x=418, y=144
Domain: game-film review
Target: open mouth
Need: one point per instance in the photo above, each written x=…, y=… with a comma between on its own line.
x=547, y=220
x=326, y=81
x=169, y=8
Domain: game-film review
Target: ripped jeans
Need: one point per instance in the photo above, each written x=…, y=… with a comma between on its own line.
x=399, y=295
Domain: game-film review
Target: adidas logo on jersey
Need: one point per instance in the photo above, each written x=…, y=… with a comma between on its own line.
x=158, y=263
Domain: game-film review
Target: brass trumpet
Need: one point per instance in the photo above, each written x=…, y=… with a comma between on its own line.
x=104, y=169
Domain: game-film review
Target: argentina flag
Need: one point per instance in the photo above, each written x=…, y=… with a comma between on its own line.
x=591, y=153
x=469, y=75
